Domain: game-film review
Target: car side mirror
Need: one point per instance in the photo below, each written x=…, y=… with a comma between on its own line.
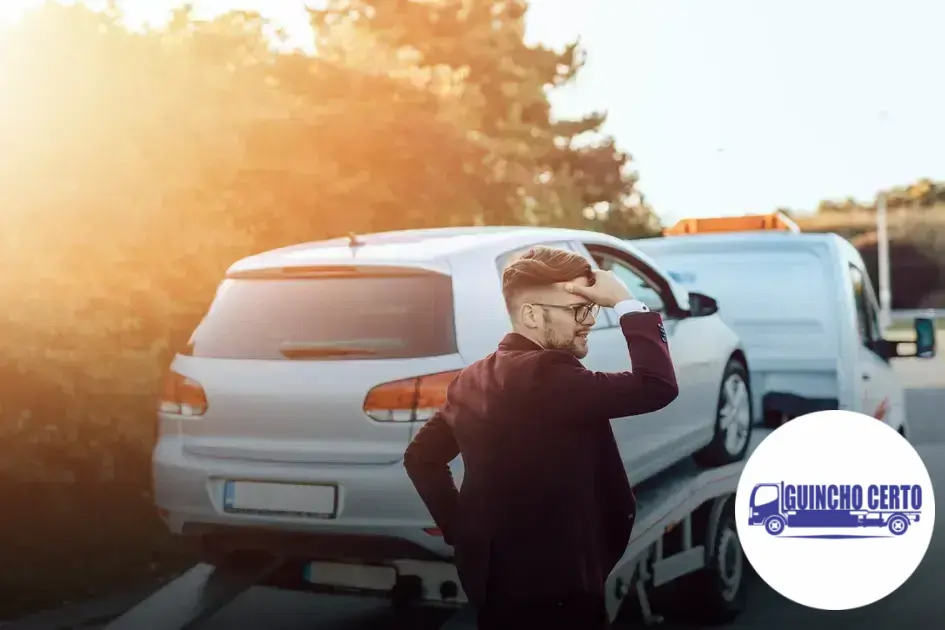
x=701, y=305
x=924, y=337
x=923, y=347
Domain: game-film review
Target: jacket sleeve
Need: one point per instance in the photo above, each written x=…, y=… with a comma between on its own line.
x=573, y=392
x=427, y=460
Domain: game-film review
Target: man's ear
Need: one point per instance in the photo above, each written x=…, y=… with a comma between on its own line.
x=529, y=315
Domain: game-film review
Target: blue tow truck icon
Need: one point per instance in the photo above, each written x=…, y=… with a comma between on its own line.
x=777, y=506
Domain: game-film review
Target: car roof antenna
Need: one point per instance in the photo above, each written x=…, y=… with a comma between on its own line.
x=353, y=240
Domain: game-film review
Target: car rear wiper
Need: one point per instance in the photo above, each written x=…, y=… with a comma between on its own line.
x=322, y=350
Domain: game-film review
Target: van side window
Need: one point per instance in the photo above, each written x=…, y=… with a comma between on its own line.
x=866, y=313
x=872, y=307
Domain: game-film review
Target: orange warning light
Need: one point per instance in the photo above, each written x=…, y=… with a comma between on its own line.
x=776, y=221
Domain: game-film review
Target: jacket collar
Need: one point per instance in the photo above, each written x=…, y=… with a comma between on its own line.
x=515, y=341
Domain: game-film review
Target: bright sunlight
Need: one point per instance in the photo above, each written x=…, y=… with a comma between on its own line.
x=288, y=16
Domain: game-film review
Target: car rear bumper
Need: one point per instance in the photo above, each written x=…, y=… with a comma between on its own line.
x=379, y=513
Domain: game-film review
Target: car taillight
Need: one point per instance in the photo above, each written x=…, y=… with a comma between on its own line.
x=183, y=396
x=408, y=400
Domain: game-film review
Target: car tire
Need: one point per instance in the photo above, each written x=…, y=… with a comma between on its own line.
x=732, y=432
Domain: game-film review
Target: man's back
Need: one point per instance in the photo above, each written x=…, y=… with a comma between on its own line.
x=545, y=506
x=546, y=509
x=533, y=483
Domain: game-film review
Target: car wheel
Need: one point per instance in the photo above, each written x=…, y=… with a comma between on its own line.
x=733, y=421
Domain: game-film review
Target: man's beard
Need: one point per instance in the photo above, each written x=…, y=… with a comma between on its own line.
x=553, y=342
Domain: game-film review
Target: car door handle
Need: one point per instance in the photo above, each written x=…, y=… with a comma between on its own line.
x=866, y=377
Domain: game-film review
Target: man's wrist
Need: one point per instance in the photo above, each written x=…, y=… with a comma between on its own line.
x=617, y=300
x=630, y=305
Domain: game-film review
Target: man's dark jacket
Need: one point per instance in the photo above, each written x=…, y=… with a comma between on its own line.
x=545, y=508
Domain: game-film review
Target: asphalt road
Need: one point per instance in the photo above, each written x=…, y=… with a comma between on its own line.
x=919, y=603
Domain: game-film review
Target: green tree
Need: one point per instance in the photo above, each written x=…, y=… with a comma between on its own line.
x=133, y=180
x=916, y=233
x=138, y=166
x=535, y=169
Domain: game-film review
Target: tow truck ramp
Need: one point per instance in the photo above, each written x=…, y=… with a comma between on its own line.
x=197, y=595
x=685, y=528
x=685, y=525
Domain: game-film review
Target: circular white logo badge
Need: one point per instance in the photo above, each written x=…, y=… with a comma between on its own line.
x=835, y=510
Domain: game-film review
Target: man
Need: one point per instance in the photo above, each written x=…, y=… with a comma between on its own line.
x=546, y=509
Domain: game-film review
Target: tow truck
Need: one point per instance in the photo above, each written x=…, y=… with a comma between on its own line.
x=770, y=509
x=804, y=307
x=684, y=537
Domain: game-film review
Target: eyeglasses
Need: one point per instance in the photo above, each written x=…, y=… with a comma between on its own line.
x=581, y=311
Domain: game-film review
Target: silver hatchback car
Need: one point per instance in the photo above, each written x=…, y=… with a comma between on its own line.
x=284, y=422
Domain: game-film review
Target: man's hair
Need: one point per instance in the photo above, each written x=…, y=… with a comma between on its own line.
x=540, y=267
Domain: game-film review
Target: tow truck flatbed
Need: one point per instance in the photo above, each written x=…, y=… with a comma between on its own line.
x=685, y=525
x=680, y=516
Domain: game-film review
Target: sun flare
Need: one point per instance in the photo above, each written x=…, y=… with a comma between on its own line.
x=287, y=15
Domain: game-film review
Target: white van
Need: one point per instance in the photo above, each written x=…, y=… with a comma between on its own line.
x=807, y=315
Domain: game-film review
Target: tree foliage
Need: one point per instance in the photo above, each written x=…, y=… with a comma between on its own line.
x=917, y=266
x=138, y=165
x=923, y=195
x=916, y=217
x=537, y=169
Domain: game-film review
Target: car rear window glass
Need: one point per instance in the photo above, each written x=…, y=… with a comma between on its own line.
x=349, y=317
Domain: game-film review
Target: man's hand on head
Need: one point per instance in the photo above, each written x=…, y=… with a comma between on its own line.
x=607, y=289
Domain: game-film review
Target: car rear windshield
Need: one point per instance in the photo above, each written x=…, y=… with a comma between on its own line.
x=329, y=318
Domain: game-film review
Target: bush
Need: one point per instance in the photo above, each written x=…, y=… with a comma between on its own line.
x=917, y=265
x=916, y=248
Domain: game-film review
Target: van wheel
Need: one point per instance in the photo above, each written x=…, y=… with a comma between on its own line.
x=733, y=421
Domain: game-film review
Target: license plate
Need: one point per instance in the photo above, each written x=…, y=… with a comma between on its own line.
x=355, y=576
x=256, y=497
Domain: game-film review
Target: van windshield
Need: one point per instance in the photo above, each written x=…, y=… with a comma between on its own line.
x=348, y=317
x=753, y=286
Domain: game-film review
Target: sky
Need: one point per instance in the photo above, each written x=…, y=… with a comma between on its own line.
x=737, y=106
x=742, y=106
